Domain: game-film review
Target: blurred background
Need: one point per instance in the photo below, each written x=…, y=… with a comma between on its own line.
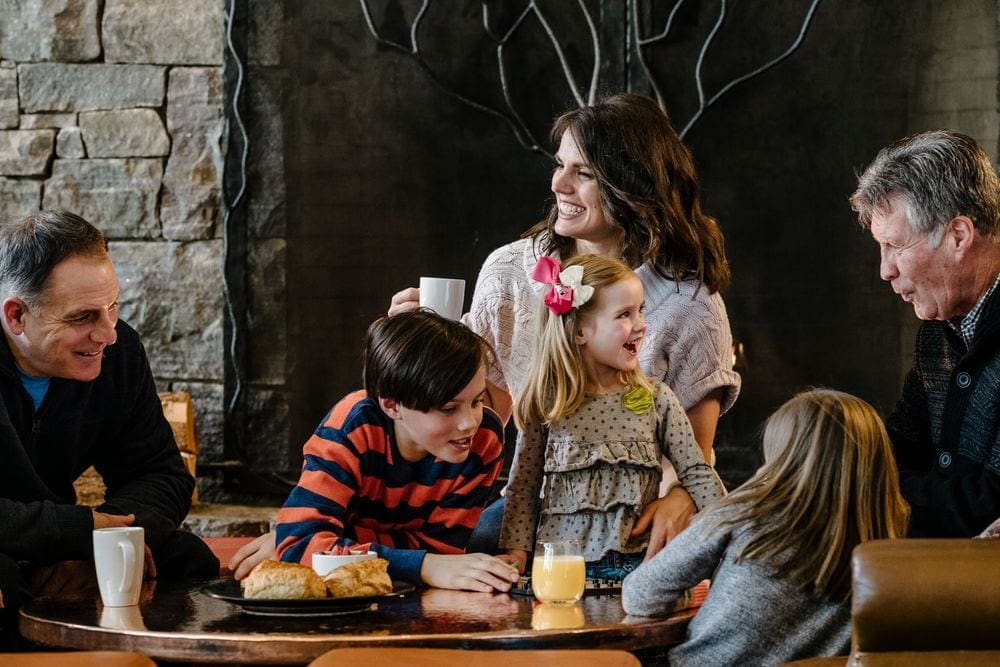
x=319, y=156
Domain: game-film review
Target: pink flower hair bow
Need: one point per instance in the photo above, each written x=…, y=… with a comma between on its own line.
x=568, y=290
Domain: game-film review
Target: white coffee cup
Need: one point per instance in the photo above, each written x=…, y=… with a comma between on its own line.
x=119, y=557
x=122, y=618
x=445, y=296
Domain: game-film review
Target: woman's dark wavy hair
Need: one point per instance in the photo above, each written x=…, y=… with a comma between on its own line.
x=649, y=189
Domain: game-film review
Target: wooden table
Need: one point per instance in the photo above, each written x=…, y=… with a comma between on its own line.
x=181, y=623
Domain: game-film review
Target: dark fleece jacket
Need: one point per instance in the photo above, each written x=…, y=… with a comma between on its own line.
x=114, y=423
x=946, y=429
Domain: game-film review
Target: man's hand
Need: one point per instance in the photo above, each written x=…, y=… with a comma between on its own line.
x=249, y=555
x=665, y=518
x=148, y=563
x=468, y=572
x=404, y=301
x=65, y=579
x=102, y=520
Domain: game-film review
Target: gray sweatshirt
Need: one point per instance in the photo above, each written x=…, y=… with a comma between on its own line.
x=750, y=617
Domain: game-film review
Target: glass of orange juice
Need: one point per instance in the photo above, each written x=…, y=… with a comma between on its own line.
x=558, y=572
x=557, y=616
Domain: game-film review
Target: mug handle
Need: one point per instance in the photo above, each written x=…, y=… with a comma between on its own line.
x=128, y=556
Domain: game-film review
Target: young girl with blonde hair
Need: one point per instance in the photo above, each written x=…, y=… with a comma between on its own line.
x=593, y=426
x=778, y=548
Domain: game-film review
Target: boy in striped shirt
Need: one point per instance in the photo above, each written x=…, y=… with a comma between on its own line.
x=408, y=463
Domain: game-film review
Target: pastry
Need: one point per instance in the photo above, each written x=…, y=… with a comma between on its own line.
x=277, y=580
x=367, y=577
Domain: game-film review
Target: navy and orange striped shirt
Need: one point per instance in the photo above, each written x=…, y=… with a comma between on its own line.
x=356, y=487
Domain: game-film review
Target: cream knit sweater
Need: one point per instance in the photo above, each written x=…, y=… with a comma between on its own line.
x=688, y=343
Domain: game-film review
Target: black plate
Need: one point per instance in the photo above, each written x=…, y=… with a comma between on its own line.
x=229, y=590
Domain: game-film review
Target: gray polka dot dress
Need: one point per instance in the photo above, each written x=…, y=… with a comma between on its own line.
x=588, y=476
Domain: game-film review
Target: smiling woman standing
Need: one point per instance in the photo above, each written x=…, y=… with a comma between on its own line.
x=626, y=188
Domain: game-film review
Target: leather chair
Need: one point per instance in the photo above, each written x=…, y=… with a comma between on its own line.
x=449, y=657
x=924, y=602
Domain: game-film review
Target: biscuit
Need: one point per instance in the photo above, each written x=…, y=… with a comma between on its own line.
x=276, y=580
x=367, y=577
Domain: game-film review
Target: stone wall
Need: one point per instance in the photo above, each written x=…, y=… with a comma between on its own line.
x=113, y=109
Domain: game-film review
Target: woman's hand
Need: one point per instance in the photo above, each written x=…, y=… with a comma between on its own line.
x=249, y=555
x=468, y=572
x=665, y=518
x=404, y=301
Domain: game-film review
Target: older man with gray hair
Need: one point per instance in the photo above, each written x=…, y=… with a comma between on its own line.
x=76, y=390
x=932, y=203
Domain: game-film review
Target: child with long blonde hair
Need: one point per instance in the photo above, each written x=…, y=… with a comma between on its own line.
x=778, y=548
x=593, y=426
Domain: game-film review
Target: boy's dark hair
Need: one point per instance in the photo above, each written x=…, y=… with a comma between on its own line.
x=420, y=359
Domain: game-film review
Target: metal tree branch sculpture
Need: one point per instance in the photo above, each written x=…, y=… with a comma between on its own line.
x=640, y=43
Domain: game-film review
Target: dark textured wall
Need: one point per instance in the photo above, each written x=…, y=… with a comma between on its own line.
x=388, y=178
x=778, y=157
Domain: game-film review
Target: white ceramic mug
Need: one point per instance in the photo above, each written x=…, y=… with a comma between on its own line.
x=119, y=557
x=122, y=618
x=445, y=296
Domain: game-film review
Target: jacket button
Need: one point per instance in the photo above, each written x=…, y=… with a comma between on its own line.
x=944, y=460
x=963, y=380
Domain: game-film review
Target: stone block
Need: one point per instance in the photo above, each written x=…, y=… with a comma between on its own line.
x=124, y=133
x=39, y=121
x=171, y=294
x=18, y=198
x=214, y=520
x=69, y=143
x=183, y=32
x=192, y=186
x=194, y=97
x=49, y=30
x=192, y=182
x=117, y=196
x=25, y=152
x=8, y=97
x=72, y=87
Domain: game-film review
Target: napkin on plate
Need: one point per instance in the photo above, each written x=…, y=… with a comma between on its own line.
x=349, y=550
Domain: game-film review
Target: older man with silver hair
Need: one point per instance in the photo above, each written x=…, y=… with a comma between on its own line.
x=76, y=390
x=932, y=203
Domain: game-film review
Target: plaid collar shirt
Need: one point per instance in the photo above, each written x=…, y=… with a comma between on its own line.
x=965, y=327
